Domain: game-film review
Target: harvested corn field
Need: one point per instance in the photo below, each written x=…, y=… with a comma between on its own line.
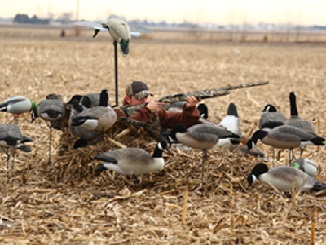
x=63, y=202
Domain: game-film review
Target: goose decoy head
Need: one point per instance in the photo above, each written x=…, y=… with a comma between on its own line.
x=258, y=169
x=163, y=146
x=203, y=110
x=177, y=129
x=269, y=108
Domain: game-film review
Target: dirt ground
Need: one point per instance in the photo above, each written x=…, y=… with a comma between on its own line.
x=63, y=203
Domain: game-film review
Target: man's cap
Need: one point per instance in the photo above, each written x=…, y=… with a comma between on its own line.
x=138, y=89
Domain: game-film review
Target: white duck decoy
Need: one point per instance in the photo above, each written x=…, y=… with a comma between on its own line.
x=17, y=105
x=133, y=161
x=11, y=138
x=306, y=165
x=282, y=178
x=202, y=137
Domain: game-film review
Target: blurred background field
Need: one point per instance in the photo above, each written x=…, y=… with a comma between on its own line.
x=50, y=205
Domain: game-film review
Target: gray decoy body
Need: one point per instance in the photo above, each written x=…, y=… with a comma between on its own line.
x=133, y=161
x=306, y=165
x=270, y=118
x=285, y=137
x=87, y=136
x=282, y=178
x=52, y=108
x=232, y=123
x=11, y=137
x=98, y=118
x=17, y=105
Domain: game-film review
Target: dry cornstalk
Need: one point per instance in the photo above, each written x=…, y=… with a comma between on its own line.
x=184, y=208
x=313, y=225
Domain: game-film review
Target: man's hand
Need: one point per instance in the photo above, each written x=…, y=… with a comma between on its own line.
x=155, y=106
x=192, y=101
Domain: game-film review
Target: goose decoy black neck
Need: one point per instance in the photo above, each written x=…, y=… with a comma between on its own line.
x=293, y=104
x=177, y=129
x=232, y=110
x=160, y=147
x=258, y=135
x=104, y=98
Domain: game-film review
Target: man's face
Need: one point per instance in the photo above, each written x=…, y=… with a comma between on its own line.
x=135, y=101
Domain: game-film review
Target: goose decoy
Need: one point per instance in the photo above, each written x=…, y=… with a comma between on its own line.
x=283, y=177
x=98, y=118
x=255, y=151
x=132, y=161
x=296, y=121
x=232, y=123
x=11, y=138
x=120, y=33
x=17, y=105
x=306, y=165
x=50, y=110
x=285, y=137
x=270, y=118
x=200, y=136
x=86, y=136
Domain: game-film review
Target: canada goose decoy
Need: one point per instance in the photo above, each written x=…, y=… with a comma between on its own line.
x=120, y=33
x=99, y=118
x=17, y=105
x=11, y=138
x=306, y=165
x=255, y=151
x=296, y=121
x=133, y=161
x=232, y=123
x=87, y=137
x=200, y=136
x=270, y=118
x=285, y=137
x=283, y=177
x=50, y=110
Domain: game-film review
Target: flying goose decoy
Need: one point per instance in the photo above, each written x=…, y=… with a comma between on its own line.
x=285, y=137
x=11, y=138
x=50, y=110
x=202, y=137
x=132, y=161
x=17, y=105
x=306, y=165
x=120, y=33
x=283, y=177
x=296, y=121
x=98, y=118
x=232, y=123
x=270, y=118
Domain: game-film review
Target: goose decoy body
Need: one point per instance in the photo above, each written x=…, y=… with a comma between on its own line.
x=285, y=137
x=295, y=120
x=11, y=138
x=282, y=178
x=306, y=165
x=87, y=137
x=99, y=118
x=232, y=123
x=51, y=109
x=200, y=136
x=17, y=105
x=270, y=118
x=133, y=161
